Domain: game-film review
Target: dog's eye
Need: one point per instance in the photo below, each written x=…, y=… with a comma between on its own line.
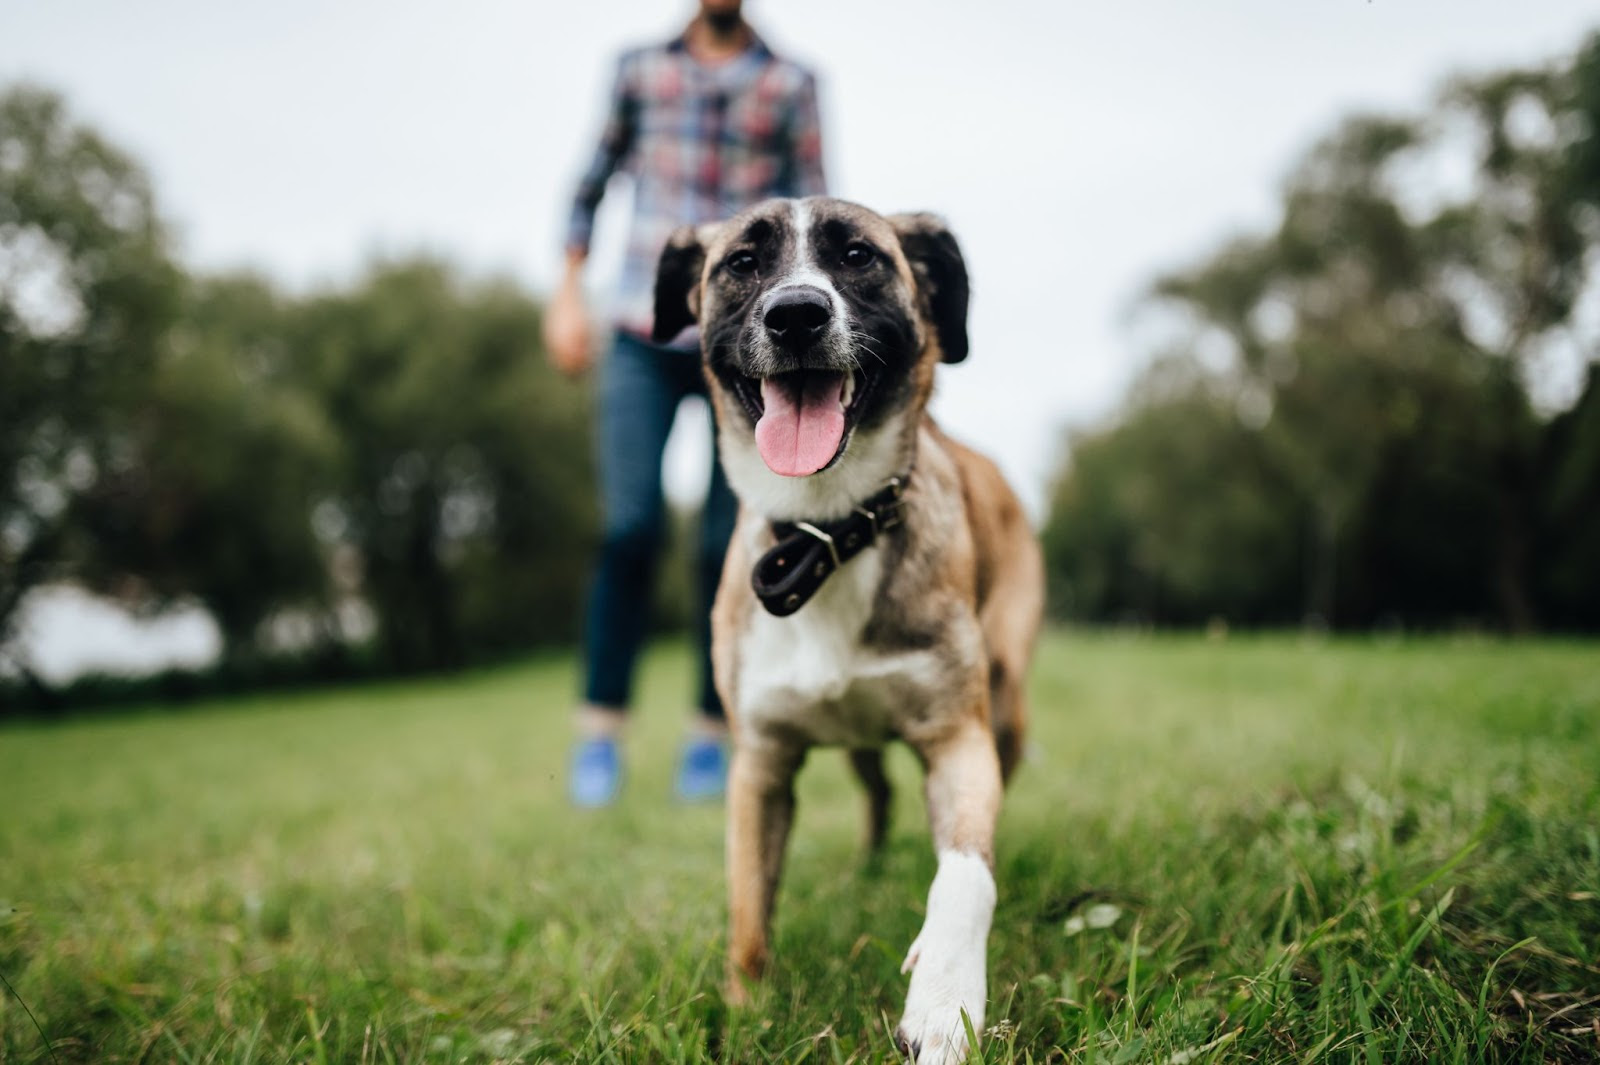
x=858, y=255
x=740, y=264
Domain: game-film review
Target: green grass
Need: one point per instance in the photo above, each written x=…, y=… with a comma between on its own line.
x=1260, y=850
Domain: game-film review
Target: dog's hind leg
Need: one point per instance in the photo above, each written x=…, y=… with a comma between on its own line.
x=1010, y=622
x=1009, y=717
x=868, y=764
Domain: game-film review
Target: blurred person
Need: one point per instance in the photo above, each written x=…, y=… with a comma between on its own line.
x=706, y=124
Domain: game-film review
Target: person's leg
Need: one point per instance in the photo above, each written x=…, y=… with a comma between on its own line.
x=702, y=771
x=637, y=400
x=716, y=526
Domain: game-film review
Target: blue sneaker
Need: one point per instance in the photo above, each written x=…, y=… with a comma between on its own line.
x=702, y=771
x=596, y=773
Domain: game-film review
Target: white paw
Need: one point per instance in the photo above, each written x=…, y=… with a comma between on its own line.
x=944, y=983
x=947, y=961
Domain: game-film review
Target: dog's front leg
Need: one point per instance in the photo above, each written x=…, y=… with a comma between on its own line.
x=760, y=810
x=949, y=958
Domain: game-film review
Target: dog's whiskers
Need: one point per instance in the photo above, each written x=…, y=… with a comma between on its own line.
x=866, y=340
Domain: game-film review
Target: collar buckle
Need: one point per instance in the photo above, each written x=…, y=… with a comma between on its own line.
x=812, y=531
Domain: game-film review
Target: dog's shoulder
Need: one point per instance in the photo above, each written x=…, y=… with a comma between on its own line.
x=993, y=515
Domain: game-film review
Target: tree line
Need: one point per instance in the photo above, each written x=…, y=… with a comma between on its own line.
x=1351, y=425
x=385, y=475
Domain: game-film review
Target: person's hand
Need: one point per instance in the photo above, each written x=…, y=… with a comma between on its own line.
x=568, y=336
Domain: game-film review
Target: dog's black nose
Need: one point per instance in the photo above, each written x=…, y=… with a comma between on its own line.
x=796, y=316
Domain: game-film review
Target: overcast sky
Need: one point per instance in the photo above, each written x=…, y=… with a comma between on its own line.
x=1078, y=149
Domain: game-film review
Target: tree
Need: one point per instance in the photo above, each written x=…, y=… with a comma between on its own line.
x=1386, y=341
x=1144, y=529
x=229, y=456
x=400, y=445
x=464, y=490
x=87, y=293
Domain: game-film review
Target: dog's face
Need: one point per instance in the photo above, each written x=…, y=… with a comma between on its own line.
x=821, y=323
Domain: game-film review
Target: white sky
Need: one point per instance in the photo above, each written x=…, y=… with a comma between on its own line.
x=1078, y=149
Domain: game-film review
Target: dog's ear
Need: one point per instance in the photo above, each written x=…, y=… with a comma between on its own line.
x=941, y=272
x=678, y=284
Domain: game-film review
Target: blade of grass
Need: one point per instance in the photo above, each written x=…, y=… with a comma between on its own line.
x=1369, y=1034
x=1133, y=981
x=1430, y=923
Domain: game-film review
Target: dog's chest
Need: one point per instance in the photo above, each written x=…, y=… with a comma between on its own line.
x=811, y=673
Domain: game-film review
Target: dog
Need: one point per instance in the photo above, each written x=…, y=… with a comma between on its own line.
x=882, y=581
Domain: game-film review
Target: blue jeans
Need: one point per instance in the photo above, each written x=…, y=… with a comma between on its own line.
x=641, y=386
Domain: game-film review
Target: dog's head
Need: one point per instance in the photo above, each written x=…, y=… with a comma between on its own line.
x=821, y=323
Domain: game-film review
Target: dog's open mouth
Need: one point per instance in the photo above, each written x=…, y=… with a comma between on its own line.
x=802, y=417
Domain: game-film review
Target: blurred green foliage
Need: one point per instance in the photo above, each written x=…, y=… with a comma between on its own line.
x=1347, y=433
x=463, y=492
x=387, y=473
x=88, y=296
x=387, y=476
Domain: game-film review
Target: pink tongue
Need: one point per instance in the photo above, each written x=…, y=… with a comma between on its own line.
x=803, y=421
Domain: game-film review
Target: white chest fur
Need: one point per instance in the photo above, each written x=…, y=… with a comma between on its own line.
x=810, y=672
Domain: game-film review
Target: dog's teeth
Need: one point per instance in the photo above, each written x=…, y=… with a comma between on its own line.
x=849, y=388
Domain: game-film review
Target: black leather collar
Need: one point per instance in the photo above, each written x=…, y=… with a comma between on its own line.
x=807, y=554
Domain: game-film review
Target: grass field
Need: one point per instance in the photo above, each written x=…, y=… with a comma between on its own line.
x=1260, y=849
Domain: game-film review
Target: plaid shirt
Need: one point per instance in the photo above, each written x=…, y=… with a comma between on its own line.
x=702, y=143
